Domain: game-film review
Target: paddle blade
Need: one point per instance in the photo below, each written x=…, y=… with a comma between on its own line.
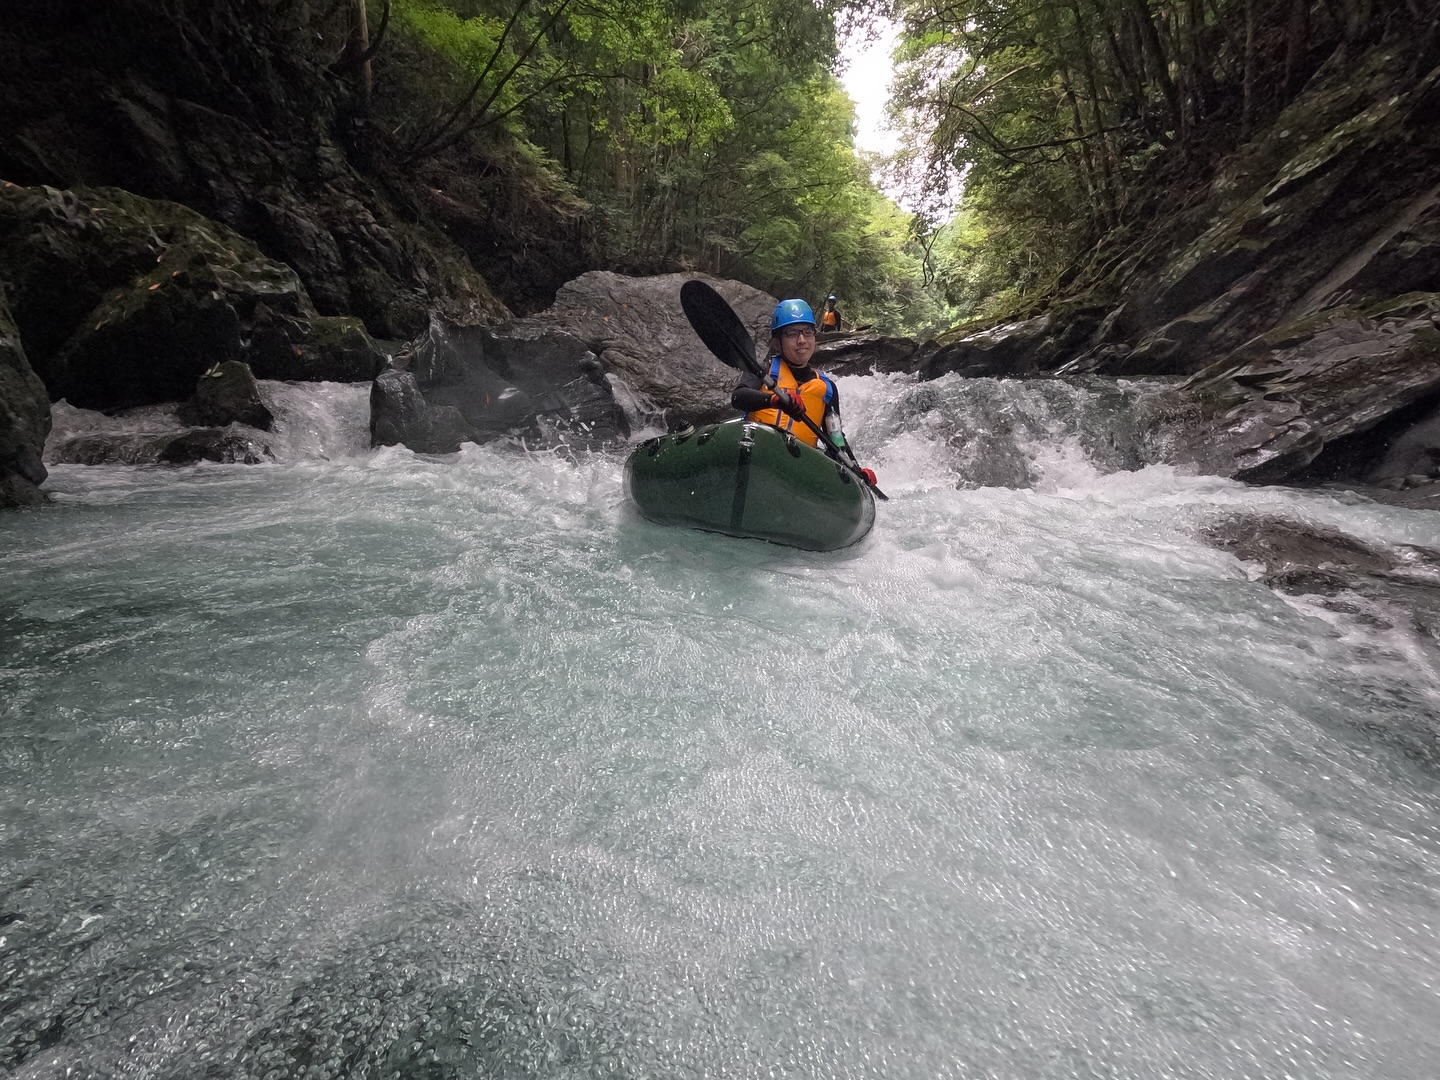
x=717, y=325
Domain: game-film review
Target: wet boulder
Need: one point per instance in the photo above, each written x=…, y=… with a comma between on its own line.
x=519, y=379
x=226, y=394
x=1265, y=413
x=610, y=348
x=24, y=419
x=315, y=348
x=863, y=354
x=126, y=301
x=228, y=445
x=400, y=415
x=638, y=333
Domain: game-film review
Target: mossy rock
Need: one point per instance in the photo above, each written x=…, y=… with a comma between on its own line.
x=130, y=300
x=330, y=348
x=227, y=394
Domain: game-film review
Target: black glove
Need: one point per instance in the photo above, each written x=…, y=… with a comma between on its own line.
x=787, y=401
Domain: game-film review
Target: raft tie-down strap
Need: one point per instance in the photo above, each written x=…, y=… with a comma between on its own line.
x=742, y=476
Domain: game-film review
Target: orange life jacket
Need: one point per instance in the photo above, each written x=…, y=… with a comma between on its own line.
x=817, y=394
x=829, y=319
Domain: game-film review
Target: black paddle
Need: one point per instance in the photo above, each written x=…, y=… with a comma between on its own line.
x=725, y=335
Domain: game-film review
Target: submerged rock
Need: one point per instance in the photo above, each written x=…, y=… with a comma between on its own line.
x=149, y=435
x=233, y=445
x=228, y=446
x=1386, y=595
x=1305, y=559
x=24, y=419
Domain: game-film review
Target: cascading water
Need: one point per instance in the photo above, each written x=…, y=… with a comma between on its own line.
x=312, y=421
x=389, y=766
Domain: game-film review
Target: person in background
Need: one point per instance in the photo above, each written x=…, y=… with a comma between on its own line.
x=800, y=390
x=830, y=317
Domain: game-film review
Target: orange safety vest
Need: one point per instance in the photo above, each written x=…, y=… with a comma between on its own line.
x=829, y=319
x=817, y=394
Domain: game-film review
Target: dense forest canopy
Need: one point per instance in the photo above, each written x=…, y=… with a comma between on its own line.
x=1071, y=120
x=717, y=135
x=714, y=136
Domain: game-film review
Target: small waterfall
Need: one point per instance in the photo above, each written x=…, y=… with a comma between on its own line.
x=313, y=421
x=1017, y=433
x=644, y=416
x=133, y=437
x=324, y=420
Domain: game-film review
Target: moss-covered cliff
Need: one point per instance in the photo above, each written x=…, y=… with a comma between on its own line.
x=248, y=112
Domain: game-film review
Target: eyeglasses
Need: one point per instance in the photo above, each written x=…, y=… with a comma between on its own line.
x=791, y=333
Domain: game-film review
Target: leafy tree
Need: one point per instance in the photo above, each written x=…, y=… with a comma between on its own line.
x=1065, y=117
x=711, y=136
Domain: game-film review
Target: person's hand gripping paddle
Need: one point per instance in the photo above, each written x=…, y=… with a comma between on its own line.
x=717, y=325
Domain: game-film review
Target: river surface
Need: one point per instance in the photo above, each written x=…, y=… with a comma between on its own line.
x=365, y=764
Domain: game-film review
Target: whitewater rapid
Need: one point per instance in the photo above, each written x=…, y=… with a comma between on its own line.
x=370, y=764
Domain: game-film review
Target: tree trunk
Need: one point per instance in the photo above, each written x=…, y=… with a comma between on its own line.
x=1104, y=151
x=1155, y=54
x=361, y=33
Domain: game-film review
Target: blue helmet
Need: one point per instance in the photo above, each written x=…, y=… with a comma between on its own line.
x=789, y=312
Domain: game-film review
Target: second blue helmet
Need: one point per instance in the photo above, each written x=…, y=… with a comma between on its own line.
x=790, y=312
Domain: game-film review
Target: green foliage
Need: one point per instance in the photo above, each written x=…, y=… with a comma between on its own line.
x=1065, y=116
x=467, y=42
x=708, y=136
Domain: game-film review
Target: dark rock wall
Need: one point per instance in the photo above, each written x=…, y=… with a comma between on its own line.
x=225, y=107
x=124, y=301
x=1336, y=203
x=24, y=419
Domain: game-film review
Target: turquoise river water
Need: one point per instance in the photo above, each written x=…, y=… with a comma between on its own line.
x=366, y=764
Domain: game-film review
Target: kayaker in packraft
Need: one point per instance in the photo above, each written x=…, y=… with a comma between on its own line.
x=800, y=390
x=830, y=317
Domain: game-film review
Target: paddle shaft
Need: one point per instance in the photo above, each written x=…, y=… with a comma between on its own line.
x=829, y=447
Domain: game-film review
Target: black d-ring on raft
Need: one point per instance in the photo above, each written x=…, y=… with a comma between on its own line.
x=706, y=433
x=681, y=436
x=652, y=446
x=792, y=444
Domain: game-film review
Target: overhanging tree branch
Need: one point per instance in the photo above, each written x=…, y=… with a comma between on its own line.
x=431, y=142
